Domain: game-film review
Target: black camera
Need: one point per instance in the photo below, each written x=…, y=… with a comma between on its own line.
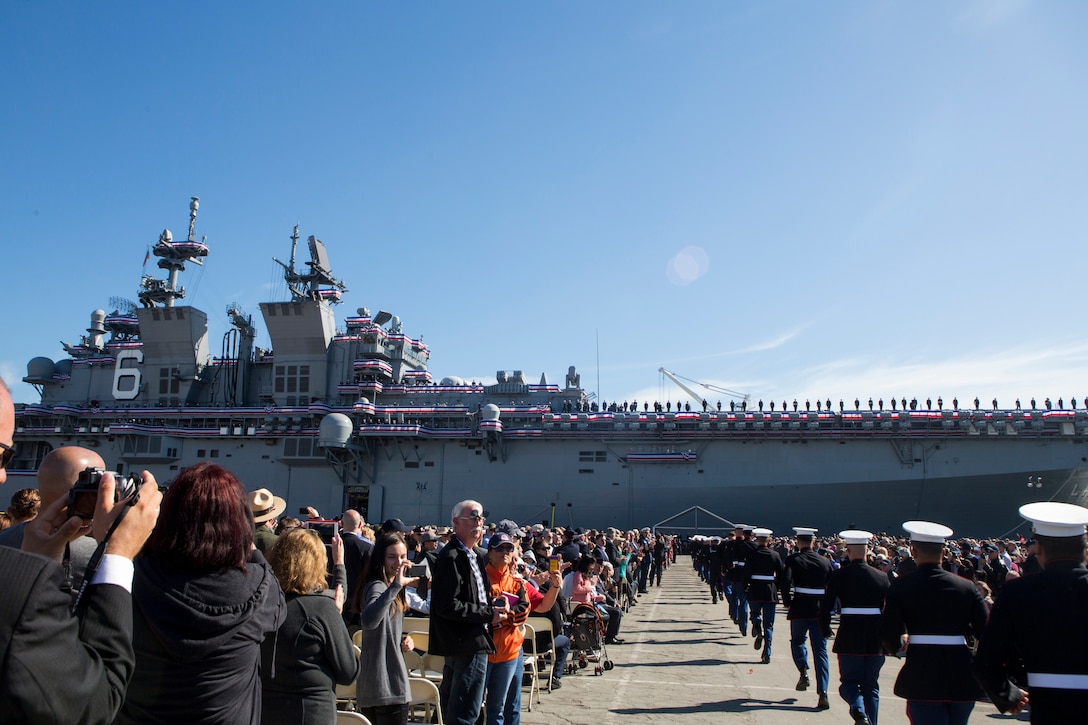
x=83, y=496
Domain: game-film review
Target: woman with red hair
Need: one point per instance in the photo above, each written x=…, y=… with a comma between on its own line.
x=203, y=600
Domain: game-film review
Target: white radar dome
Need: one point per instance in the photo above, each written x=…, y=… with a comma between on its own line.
x=452, y=380
x=490, y=412
x=335, y=431
x=40, y=368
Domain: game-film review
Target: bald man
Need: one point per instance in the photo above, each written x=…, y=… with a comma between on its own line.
x=59, y=668
x=57, y=473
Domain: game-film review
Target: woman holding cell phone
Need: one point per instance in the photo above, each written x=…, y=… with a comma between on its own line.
x=383, y=691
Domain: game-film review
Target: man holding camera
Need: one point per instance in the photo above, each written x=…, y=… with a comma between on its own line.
x=56, y=667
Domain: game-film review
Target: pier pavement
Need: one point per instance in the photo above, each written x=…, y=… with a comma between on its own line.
x=684, y=661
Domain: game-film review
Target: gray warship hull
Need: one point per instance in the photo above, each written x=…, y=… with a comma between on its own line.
x=346, y=414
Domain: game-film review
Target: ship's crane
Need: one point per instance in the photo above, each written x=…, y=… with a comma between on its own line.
x=679, y=380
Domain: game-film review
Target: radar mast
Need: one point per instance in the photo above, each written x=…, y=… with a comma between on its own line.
x=172, y=257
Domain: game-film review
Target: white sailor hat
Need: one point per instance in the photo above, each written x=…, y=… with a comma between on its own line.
x=855, y=537
x=740, y=527
x=1050, y=518
x=804, y=531
x=927, y=531
x=762, y=533
x=715, y=539
x=748, y=528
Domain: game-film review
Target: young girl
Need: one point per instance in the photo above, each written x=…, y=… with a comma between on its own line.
x=383, y=690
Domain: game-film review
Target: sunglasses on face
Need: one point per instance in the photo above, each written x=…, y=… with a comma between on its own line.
x=472, y=515
x=7, y=456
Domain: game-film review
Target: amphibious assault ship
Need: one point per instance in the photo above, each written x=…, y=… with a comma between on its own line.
x=344, y=413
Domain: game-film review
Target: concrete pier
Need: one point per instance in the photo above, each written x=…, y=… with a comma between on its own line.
x=684, y=661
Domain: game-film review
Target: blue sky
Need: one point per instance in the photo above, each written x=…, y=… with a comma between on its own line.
x=790, y=199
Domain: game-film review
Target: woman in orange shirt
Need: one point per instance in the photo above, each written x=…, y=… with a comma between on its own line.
x=504, y=668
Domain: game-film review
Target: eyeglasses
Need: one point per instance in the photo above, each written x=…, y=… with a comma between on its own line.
x=505, y=549
x=473, y=515
x=7, y=456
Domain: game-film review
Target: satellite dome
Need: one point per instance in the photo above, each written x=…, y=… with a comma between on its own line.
x=335, y=431
x=490, y=412
x=40, y=368
x=363, y=400
x=452, y=380
x=64, y=367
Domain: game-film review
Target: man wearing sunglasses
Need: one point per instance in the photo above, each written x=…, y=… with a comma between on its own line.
x=57, y=667
x=461, y=616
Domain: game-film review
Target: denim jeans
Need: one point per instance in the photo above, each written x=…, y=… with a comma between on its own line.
x=562, y=651
x=462, y=689
x=504, y=692
x=763, y=616
x=799, y=629
x=859, y=683
x=738, y=601
x=939, y=713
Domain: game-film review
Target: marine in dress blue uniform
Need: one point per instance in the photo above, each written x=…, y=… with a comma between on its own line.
x=762, y=571
x=861, y=590
x=929, y=614
x=1040, y=620
x=806, y=578
x=737, y=552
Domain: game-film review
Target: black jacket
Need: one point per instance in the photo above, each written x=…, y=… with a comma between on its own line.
x=806, y=570
x=356, y=559
x=1039, y=620
x=857, y=586
x=303, y=661
x=761, y=574
x=933, y=602
x=736, y=557
x=460, y=622
x=197, y=641
x=56, y=668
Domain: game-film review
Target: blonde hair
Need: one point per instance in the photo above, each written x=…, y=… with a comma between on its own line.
x=299, y=561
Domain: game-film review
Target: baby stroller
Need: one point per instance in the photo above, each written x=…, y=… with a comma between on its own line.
x=587, y=628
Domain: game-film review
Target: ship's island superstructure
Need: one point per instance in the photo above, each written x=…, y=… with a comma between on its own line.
x=349, y=416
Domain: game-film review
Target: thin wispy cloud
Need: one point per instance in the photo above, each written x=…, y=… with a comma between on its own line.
x=981, y=15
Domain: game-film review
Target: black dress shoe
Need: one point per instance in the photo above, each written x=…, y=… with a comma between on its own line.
x=823, y=704
x=803, y=683
x=613, y=640
x=758, y=644
x=766, y=659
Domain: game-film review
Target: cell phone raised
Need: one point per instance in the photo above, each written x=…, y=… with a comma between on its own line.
x=325, y=528
x=417, y=570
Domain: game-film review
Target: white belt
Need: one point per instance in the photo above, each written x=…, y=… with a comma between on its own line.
x=807, y=590
x=947, y=640
x=763, y=577
x=1057, y=682
x=860, y=610
x=738, y=563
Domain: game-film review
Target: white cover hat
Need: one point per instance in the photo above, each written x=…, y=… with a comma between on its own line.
x=1050, y=518
x=762, y=533
x=804, y=531
x=927, y=531
x=855, y=537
